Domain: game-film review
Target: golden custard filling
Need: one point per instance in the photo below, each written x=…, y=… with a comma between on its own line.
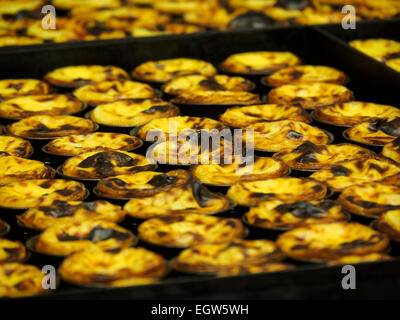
x=310, y=95
x=217, y=97
x=12, y=251
x=358, y=171
x=105, y=163
x=164, y=70
x=76, y=76
x=49, y=104
x=255, y=269
x=355, y=112
x=309, y=156
x=49, y=213
x=197, y=82
x=15, y=146
x=189, y=198
x=322, y=242
x=81, y=143
x=394, y=64
x=392, y=150
x=16, y=169
x=388, y=224
x=66, y=239
x=379, y=49
x=283, y=134
x=20, y=280
x=189, y=230
x=284, y=189
x=109, y=91
x=145, y=183
x=132, y=112
x=378, y=132
x=370, y=199
x=305, y=74
x=171, y=127
x=353, y=259
x=276, y=214
x=211, y=257
x=97, y=266
x=259, y=62
x=239, y=170
x=18, y=41
x=46, y=126
x=11, y=88
x=239, y=117
x=28, y=193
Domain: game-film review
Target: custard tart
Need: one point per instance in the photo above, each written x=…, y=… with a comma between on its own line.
x=370, y=199
x=259, y=62
x=76, y=76
x=213, y=258
x=104, y=163
x=354, y=259
x=164, y=70
x=310, y=95
x=11, y=88
x=358, y=171
x=49, y=104
x=388, y=224
x=12, y=251
x=109, y=91
x=196, y=82
x=18, y=41
x=379, y=49
x=331, y=241
x=256, y=269
x=276, y=214
x=12, y=7
x=62, y=240
x=49, y=213
x=239, y=170
x=189, y=198
x=394, y=64
x=392, y=150
x=171, y=127
x=141, y=184
x=92, y=4
x=310, y=156
x=15, y=169
x=48, y=127
x=315, y=16
x=20, y=280
x=15, y=146
x=132, y=112
x=217, y=98
x=96, y=266
x=189, y=230
x=378, y=132
x=305, y=74
x=81, y=143
x=195, y=148
x=284, y=189
x=355, y=112
x=238, y=117
x=28, y=193
x=284, y=134
x=176, y=7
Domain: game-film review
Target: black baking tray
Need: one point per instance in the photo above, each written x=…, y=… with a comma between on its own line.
x=314, y=46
